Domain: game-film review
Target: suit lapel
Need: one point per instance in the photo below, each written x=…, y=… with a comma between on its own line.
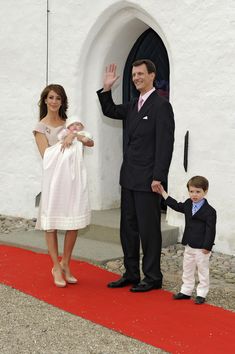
x=132, y=116
x=203, y=208
x=136, y=116
x=189, y=208
x=147, y=103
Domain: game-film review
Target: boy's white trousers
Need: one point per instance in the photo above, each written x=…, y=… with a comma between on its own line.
x=194, y=259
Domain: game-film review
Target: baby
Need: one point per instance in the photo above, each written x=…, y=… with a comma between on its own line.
x=73, y=125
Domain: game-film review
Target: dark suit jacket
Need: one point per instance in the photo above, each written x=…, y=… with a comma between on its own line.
x=148, y=138
x=200, y=228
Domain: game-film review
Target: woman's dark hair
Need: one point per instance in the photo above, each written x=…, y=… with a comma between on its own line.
x=64, y=101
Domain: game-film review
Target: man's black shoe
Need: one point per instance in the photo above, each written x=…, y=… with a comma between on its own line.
x=120, y=283
x=181, y=296
x=200, y=300
x=143, y=286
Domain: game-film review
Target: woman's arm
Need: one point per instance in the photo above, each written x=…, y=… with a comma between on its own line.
x=85, y=140
x=41, y=142
x=88, y=142
x=67, y=142
x=69, y=139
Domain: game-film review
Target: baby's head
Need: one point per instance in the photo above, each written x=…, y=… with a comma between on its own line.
x=73, y=124
x=197, y=188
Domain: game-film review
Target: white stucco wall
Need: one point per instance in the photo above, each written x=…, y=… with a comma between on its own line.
x=84, y=36
x=22, y=74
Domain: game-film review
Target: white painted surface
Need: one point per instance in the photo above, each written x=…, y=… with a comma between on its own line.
x=84, y=36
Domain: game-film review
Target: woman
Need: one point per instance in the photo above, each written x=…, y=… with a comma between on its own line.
x=57, y=207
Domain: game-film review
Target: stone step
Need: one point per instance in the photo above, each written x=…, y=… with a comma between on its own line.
x=98, y=243
x=105, y=226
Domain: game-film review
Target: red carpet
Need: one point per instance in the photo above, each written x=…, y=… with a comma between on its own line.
x=153, y=317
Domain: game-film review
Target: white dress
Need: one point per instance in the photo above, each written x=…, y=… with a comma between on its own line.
x=64, y=201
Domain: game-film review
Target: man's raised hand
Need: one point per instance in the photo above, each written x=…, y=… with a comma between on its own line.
x=110, y=76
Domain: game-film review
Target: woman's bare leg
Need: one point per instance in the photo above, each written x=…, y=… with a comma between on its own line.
x=52, y=245
x=69, y=242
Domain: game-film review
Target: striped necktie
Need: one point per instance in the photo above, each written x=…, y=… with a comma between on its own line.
x=140, y=103
x=194, y=209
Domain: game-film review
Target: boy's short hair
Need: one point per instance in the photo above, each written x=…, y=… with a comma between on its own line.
x=198, y=182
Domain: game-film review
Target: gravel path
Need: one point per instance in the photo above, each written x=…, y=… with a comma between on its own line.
x=222, y=275
x=31, y=326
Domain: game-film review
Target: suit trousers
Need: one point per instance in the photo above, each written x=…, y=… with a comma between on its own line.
x=141, y=222
x=195, y=258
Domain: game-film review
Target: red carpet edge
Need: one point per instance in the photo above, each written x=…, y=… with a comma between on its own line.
x=152, y=317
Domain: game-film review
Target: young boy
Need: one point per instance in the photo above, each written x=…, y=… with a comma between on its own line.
x=198, y=237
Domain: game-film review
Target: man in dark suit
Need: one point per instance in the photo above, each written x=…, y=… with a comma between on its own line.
x=148, y=138
x=198, y=237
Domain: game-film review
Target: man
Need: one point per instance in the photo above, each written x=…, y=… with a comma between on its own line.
x=148, y=138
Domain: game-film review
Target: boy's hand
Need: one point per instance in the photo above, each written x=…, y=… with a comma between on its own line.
x=155, y=186
x=159, y=189
x=205, y=251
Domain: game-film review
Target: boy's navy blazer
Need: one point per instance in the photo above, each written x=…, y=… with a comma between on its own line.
x=148, y=139
x=200, y=228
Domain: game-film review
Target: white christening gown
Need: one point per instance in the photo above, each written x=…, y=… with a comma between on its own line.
x=64, y=201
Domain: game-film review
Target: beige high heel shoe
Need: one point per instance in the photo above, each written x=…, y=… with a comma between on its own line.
x=58, y=283
x=69, y=278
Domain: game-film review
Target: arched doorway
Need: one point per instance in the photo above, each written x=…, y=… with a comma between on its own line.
x=149, y=45
x=113, y=39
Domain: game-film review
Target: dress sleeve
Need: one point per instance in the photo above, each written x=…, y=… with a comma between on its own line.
x=40, y=128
